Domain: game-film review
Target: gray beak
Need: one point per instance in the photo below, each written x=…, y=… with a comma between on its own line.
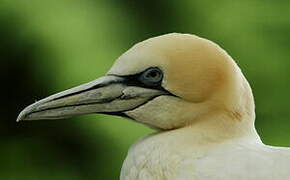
x=108, y=95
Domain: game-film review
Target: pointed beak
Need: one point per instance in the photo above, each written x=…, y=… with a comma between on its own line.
x=108, y=95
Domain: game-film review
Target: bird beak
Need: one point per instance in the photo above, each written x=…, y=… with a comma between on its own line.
x=107, y=95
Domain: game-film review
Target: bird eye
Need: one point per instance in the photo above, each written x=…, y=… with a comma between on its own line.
x=151, y=77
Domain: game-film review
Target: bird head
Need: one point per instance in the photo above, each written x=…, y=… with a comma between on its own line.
x=165, y=82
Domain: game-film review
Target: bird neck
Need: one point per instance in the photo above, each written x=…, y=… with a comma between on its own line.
x=234, y=117
x=209, y=133
x=219, y=126
x=206, y=134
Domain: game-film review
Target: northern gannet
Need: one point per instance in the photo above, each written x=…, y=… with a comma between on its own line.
x=194, y=93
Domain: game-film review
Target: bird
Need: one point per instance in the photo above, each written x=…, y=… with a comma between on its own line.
x=197, y=99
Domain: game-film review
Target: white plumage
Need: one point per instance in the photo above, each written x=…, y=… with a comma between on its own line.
x=196, y=96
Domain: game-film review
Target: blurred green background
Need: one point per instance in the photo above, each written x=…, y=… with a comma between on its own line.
x=50, y=45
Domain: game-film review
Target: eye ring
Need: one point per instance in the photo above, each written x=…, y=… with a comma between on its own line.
x=151, y=77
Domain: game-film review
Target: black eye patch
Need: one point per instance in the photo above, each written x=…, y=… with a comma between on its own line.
x=150, y=78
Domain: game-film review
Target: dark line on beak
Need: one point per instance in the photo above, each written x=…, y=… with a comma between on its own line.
x=78, y=92
x=121, y=113
x=129, y=80
x=88, y=89
x=74, y=105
